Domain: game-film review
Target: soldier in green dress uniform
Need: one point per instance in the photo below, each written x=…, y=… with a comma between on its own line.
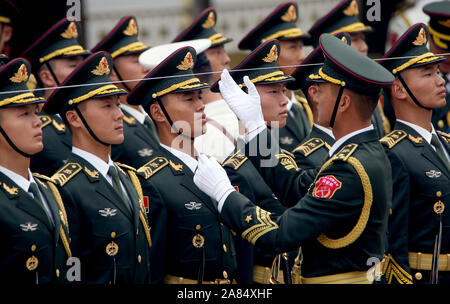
x=439, y=29
x=280, y=24
x=35, y=233
x=139, y=130
x=109, y=229
x=344, y=17
x=419, y=158
x=53, y=57
x=341, y=222
x=313, y=150
x=190, y=244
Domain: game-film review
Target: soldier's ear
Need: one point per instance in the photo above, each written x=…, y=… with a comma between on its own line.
x=398, y=91
x=73, y=119
x=156, y=113
x=46, y=78
x=346, y=101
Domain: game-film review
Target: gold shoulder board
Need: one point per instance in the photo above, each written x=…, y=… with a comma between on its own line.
x=287, y=161
x=446, y=136
x=309, y=146
x=66, y=173
x=235, y=161
x=46, y=120
x=129, y=120
x=345, y=152
x=153, y=166
x=393, y=138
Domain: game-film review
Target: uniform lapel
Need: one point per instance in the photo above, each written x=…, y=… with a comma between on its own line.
x=132, y=194
x=23, y=200
x=54, y=209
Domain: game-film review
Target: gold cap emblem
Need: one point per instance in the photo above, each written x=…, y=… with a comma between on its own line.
x=272, y=55
x=210, y=21
x=71, y=31
x=21, y=75
x=187, y=63
x=420, y=39
x=131, y=29
x=290, y=15
x=352, y=9
x=102, y=67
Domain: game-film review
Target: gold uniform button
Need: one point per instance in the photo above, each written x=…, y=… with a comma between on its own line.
x=137, y=231
x=418, y=276
x=33, y=247
x=440, y=123
x=224, y=247
x=139, y=258
x=225, y=274
x=57, y=273
x=198, y=227
x=438, y=193
x=113, y=234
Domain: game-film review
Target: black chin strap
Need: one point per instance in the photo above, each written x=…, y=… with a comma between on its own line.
x=336, y=106
x=47, y=64
x=171, y=122
x=12, y=144
x=121, y=79
x=410, y=93
x=88, y=128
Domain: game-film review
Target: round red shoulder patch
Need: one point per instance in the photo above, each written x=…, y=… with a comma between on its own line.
x=326, y=186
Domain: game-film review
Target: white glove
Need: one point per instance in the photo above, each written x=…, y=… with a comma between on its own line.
x=247, y=107
x=212, y=179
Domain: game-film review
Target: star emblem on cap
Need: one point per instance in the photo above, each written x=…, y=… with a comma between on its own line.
x=290, y=15
x=102, y=67
x=421, y=38
x=71, y=31
x=21, y=75
x=272, y=55
x=131, y=29
x=210, y=21
x=352, y=9
x=187, y=63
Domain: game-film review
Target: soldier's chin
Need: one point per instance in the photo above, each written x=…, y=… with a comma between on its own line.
x=34, y=149
x=117, y=140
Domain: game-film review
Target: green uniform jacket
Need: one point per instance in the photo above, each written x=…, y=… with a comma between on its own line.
x=57, y=142
x=29, y=255
x=139, y=145
x=342, y=220
x=313, y=151
x=420, y=180
x=186, y=231
x=246, y=179
x=112, y=243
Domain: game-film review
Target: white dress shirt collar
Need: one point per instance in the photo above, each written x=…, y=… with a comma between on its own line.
x=95, y=161
x=19, y=179
x=326, y=130
x=139, y=115
x=343, y=139
x=422, y=132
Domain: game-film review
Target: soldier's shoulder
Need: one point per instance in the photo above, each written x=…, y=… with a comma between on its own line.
x=235, y=161
x=444, y=135
x=152, y=167
x=392, y=140
x=345, y=153
x=66, y=173
x=310, y=146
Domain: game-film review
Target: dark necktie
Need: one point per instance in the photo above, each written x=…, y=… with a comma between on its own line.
x=37, y=196
x=439, y=150
x=151, y=127
x=117, y=186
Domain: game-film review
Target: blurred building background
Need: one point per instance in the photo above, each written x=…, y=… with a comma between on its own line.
x=161, y=21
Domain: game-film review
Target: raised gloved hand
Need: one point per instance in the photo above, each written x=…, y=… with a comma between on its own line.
x=212, y=179
x=247, y=107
